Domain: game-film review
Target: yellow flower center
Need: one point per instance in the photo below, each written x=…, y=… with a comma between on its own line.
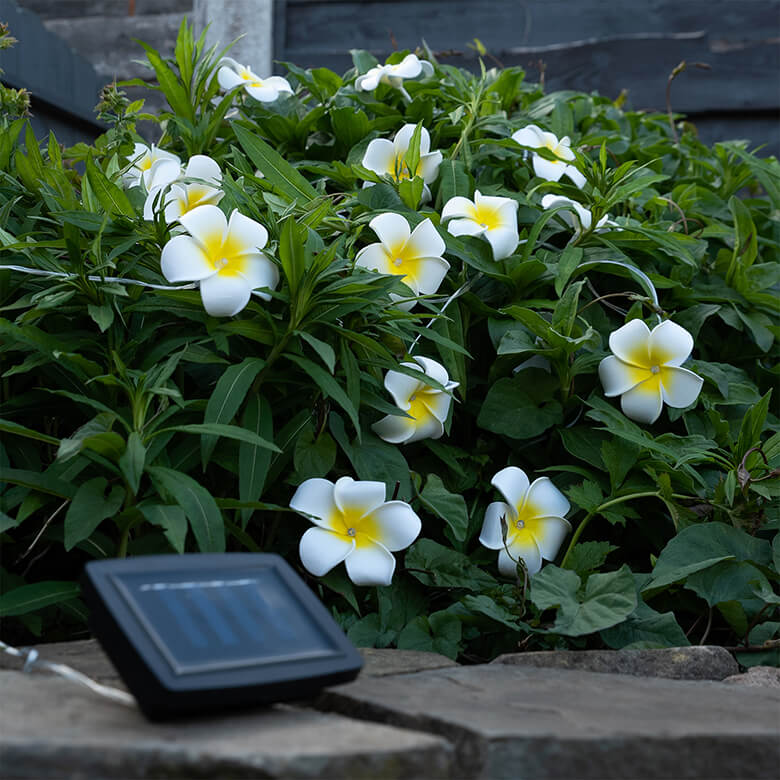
x=418, y=409
x=399, y=170
x=145, y=163
x=405, y=259
x=364, y=530
x=227, y=255
x=526, y=525
x=487, y=217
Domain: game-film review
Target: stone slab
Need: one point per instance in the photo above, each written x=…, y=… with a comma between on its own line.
x=760, y=676
x=383, y=662
x=520, y=722
x=676, y=663
x=50, y=728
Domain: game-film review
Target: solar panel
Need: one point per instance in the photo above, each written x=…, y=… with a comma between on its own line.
x=197, y=633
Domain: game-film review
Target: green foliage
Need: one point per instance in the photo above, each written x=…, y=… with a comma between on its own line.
x=135, y=423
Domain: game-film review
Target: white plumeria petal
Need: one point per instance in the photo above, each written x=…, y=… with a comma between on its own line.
x=379, y=156
x=259, y=271
x=398, y=525
x=263, y=94
x=458, y=207
x=631, y=343
x=207, y=224
x=618, y=377
x=183, y=260
x=491, y=535
x=374, y=257
x=527, y=550
x=432, y=368
x=163, y=172
x=430, y=275
x=549, y=533
x=408, y=68
x=425, y=241
x=358, y=498
x=577, y=178
x=669, y=344
x=201, y=166
x=314, y=497
x=369, y=81
x=513, y=485
x=320, y=550
x=679, y=386
x=429, y=166
x=245, y=232
x=404, y=137
x=438, y=404
x=370, y=564
x=426, y=68
x=224, y=295
x=465, y=227
x=503, y=241
x=643, y=403
x=392, y=230
x=543, y=499
x=551, y=170
x=426, y=426
x=395, y=429
x=402, y=386
x=530, y=135
x=279, y=83
x=228, y=78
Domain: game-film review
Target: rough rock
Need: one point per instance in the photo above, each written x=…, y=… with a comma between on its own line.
x=379, y=663
x=50, y=728
x=759, y=676
x=676, y=663
x=513, y=721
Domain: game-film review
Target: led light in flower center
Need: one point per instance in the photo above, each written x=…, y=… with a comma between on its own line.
x=355, y=524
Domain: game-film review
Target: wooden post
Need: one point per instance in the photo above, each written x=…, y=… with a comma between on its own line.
x=252, y=19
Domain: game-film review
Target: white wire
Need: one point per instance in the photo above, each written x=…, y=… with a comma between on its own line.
x=32, y=660
x=118, y=279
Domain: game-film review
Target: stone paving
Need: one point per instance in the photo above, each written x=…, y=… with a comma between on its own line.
x=418, y=715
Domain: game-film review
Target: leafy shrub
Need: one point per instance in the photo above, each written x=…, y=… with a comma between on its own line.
x=134, y=422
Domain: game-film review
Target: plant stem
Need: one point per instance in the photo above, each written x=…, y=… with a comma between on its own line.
x=123, y=540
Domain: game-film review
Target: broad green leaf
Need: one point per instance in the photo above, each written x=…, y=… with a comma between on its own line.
x=701, y=546
x=608, y=599
x=171, y=519
x=28, y=598
x=89, y=508
x=111, y=197
x=585, y=557
x=450, y=507
x=727, y=581
x=509, y=410
x=323, y=350
x=314, y=456
x=198, y=504
x=227, y=398
x=438, y=633
x=253, y=460
x=438, y=566
x=132, y=461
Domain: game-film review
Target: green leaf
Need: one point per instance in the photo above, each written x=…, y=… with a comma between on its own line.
x=45, y=482
x=727, y=581
x=364, y=633
x=570, y=258
x=450, y=507
x=282, y=176
x=487, y=606
x=103, y=315
x=198, y=504
x=619, y=457
x=323, y=350
x=235, y=432
x=8, y=426
x=454, y=180
x=438, y=633
x=89, y=508
x=253, y=460
x=608, y=599
x=314, y=456
x=655, y=630
x=509, y=410
x=28, y=598
x=93, y=435
x=328, y=385
x=585, y=557
x=338, y=581
x=111, y=197
x=701, y=546
x=587, y=495
x=438, y=566
x=132, y=461
x=227, y=397
x=171, y=519
x=171, y=86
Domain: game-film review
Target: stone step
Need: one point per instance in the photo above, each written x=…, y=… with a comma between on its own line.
x=64, y=9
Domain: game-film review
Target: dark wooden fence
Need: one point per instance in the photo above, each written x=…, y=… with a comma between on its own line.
x=604, y=45
x=64, y=87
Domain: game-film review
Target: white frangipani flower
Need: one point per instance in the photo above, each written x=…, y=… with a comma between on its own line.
x=223, y=256
x=233, y=74
x=645, y=370
x=552, y=170
x=576, y=216
x=387, y=158
x=142, y=159
x=427, y=406
x=173, y=192
x=414, y=254
x=535, y=521
x=491, y=217
x=409, y=68
x=354, y=524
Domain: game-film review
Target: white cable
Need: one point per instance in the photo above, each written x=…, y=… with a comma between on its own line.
x=32, y=660
x=118, y=279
